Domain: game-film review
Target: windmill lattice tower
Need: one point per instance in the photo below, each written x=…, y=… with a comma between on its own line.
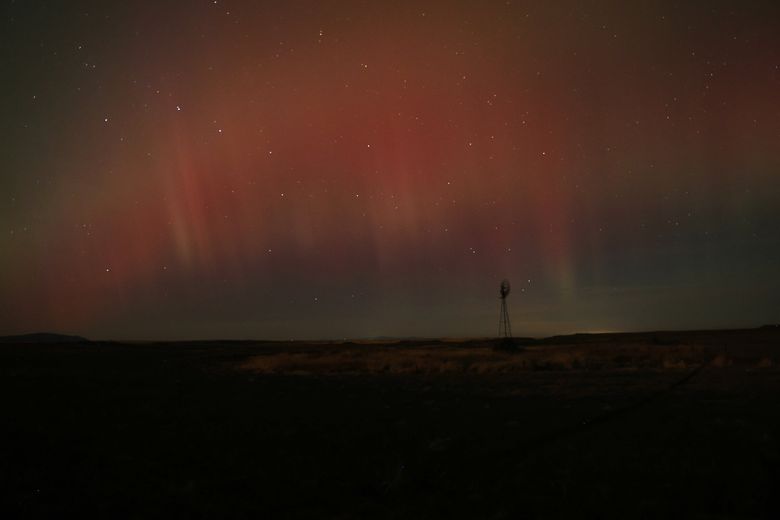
x=504, y=327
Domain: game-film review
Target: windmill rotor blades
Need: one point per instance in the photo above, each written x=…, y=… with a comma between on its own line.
x=505, y=288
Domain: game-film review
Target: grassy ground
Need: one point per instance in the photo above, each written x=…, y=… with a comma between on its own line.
x=612, y=426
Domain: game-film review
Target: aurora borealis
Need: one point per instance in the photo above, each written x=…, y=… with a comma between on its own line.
x=238, y=169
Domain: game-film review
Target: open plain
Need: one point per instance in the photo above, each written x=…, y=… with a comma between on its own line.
x=647, y=425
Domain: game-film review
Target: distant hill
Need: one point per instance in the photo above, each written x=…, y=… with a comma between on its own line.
x=43, y=337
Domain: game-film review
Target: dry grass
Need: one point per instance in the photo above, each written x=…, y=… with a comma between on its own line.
x=455, y=359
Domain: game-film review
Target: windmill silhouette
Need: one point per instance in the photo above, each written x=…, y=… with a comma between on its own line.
x=504, y=327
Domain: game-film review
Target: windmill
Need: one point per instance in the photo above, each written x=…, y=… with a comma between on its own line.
x=504, y=327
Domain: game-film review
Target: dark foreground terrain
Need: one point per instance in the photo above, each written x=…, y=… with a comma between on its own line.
x=616, y=426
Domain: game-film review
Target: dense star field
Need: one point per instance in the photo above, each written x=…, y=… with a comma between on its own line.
x=355, y=169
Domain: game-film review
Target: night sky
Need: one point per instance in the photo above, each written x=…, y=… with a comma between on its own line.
x=294, y=170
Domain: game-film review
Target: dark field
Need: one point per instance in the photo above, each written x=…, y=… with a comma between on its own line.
x=618, y=426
